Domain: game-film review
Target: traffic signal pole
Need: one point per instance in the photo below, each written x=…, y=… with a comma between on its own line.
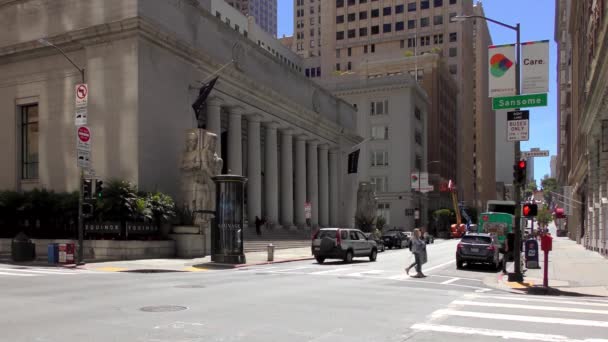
x=517, y=186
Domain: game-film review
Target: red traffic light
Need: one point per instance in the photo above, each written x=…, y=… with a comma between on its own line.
x=522, y=164
x=526, y=210
x=529, y=210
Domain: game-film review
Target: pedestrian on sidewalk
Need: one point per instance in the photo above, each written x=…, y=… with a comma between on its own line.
x=258, y=225
x=508, y=248
x=419, y=251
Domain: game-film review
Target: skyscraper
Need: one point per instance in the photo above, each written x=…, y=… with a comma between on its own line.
x=264, y=12
x=352, y=35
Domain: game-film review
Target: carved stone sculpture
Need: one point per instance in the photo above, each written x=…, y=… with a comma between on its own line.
x=199, y=164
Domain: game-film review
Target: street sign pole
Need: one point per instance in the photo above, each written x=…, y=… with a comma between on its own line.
x=80, y=258
x=517, y=275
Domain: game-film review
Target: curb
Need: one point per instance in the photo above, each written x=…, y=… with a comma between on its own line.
x=273, y=262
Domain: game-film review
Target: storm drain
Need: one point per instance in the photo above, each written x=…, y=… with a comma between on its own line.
x=163, y=308
x=151, y=271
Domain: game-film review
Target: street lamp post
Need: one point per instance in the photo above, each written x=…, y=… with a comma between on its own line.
x=516, y=275
x=80, y=256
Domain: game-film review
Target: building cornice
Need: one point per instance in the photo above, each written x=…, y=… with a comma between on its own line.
x=233, y=82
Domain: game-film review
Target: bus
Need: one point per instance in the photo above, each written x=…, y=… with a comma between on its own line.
x=499, y=224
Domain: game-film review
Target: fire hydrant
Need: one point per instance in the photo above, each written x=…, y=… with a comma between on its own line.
x=270, y=252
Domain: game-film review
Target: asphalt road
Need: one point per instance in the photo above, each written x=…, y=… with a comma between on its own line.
x=299, y=301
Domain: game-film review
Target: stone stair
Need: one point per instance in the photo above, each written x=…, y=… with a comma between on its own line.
x=280, y=238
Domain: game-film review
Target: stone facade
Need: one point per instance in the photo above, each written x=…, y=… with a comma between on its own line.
x=144, y=62
x=581, y=32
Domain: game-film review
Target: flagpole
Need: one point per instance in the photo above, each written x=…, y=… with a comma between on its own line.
x=216, y=72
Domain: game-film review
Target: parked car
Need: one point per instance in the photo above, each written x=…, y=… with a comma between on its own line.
x=342, y=243
x=478, y=248
x=395, y=239
x=379, y=242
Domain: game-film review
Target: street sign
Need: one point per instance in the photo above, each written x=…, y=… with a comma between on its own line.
x=81, y=116
x=518, y=126
x=84, y=138
x=84, y=159
x=519, y=101
x=307, y=210
x=532, y=154
x=82, y=95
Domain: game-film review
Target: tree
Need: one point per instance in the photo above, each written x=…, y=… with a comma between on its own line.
x=544, y=216
x=530, y=188
x=549, y=185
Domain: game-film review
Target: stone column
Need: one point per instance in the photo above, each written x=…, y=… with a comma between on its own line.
x=235, y=147
x=254, y=169
x=287, y=178
x=214, y=122
x=271, y=175
x=323, y=186
x=312, y=182
x=300, y=181
x=333, y=188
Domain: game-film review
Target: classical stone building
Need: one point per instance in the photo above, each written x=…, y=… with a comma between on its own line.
x=144, y=62
x=581, y=31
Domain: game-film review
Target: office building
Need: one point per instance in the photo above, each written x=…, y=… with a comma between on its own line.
x=264, y=12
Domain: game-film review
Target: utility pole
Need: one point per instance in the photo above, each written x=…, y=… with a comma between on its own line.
x=516, y=275
x=80, y=254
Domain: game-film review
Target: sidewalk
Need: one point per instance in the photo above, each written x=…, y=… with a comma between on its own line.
x=573, y=271
x=198, y=264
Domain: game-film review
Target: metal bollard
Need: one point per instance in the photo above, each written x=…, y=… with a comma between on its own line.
x=270, y=252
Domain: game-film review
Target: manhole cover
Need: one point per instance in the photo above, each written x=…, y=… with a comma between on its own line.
x=190, y=286
x=163, y=308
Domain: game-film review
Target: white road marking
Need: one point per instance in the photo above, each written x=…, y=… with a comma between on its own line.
x=289, y=269
x=31, y=270
x=518, y=335
x=399, y=277
x=540, y=300
x=19, y=274
x=444, y=276
x=529, y=319
x=530, y=307
x=450, y=281
x=426, y=270
x=332, y=270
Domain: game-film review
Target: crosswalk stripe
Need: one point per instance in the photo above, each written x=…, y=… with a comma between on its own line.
x=530, y=319
x=332, y=270
x=530, y=307
x=37, y=271
x=291, y=269
x=450, y=281
x=19, y=274
x=518, y=335
x=540, y=300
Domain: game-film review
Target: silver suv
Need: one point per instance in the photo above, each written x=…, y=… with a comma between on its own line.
x=342, y=243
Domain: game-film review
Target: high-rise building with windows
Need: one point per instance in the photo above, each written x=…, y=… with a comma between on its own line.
x=264, y=12
x=358, y=36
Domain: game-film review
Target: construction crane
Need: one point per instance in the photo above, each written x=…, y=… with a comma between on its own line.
x=459, y=229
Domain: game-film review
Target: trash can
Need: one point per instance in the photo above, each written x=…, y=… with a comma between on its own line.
x=53, y=253
x=22, y=248
x=270, y=252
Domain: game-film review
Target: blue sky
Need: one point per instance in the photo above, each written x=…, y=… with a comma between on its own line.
x=537, y=23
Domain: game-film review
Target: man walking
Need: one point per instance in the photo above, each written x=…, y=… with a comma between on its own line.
x=258, y=225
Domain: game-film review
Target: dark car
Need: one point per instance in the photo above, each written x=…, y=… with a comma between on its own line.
x=478, y=248
x=379, y=241
x=395, y=239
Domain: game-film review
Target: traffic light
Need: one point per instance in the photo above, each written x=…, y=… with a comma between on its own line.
x=529, y=210
x=98, y=188
x=87, y=188
x=519, y=172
